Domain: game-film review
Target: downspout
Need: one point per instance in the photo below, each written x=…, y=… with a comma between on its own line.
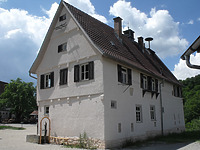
x=32, y=76
x=161, y=109
x=187, y=57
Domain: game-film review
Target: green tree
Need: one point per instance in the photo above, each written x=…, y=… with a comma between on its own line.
x=20, y=97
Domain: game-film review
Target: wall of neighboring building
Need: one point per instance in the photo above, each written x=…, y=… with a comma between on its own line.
x=75, y=107
x=127, y=98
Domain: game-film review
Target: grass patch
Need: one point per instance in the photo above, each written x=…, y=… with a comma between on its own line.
x=12, y=128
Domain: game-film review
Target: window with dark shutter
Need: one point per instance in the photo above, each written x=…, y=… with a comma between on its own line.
x=91, y=70
x=156, y=82
x=42, y=82
x=141, y=81
x=149, y=83
x=47, y=80
x=52, y=79
x=84, y=72
x=129, y=77
x=119, y=69
x=63, y=76
x=124, y=75
x=76, y=73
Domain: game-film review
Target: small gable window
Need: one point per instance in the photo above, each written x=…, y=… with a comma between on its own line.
x=63, y=17
x=62, y=47
x=84, y=72
x=124, y=75
x=63, y=76
x=47, y=80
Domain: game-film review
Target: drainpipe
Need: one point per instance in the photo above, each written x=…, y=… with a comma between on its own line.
x=32, y=76
x=161, y=109
x=187, y=57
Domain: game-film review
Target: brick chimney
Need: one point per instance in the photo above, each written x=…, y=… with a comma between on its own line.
x=141, y=42
x=118, y=26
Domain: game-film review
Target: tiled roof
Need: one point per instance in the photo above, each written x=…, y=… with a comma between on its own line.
x=124, y=50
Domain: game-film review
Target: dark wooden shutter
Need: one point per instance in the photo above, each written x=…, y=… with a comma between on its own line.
x=66, y=75
x=156, y=85
x=141, y=81
x=76, y=73
x=52, y=79
x=59, y=48
x=42, y=81
x=91, y=70
x=119, y=69
x=129, y=77
x=149, y=82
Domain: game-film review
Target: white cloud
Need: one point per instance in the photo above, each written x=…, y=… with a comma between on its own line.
x=159, y=24
x=21, y=35
x=86, y=6
x=191, y=22
x=182, y=71
x=3, y=0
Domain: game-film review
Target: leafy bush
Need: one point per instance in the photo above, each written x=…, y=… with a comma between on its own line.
x=194, y=125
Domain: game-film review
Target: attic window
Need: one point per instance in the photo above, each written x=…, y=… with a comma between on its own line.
x=62, y=47
x=63, y=17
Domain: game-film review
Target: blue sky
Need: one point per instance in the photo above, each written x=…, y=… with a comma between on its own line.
x=174, y=25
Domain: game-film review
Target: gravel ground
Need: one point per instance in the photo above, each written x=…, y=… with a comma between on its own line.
x=16, y=140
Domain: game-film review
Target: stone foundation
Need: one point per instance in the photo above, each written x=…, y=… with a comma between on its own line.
x=93, y=143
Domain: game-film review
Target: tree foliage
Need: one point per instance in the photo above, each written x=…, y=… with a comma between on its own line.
x=191, y=95
x=20, y=97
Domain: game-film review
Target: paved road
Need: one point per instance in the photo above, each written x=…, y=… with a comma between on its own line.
x=16, y=140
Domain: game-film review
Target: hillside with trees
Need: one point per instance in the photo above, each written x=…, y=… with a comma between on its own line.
x=191, y=96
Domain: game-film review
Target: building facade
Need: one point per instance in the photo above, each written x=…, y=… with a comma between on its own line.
x=92, y=78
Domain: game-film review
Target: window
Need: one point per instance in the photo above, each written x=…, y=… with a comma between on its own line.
x=132, y=127
x=63, y=17
x=119, y=128
x=113, y=104
x=143, y=81
x=152, y=113
x=124, y=75
x=84, y=72
x=47, y=80
x=138, y=113
x=177, y=91
x=63, y=76
x=148, y=83
x=46, y=110
x=62, y=47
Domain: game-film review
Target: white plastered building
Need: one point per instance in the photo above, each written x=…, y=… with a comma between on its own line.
x=92, y=78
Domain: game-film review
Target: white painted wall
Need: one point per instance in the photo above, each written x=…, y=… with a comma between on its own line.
x=75, y=107
x=126, y=111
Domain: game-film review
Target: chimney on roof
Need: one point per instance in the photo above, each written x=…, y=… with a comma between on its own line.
x=130, y=34
x=141, y=42
x=118, y=26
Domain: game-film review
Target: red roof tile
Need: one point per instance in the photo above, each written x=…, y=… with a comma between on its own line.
x=124, y=50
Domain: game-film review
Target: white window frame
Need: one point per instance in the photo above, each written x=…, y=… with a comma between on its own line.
x=145, y=82
x=47, y=80
x=138, y=111
x=153, y=84
x=84, y=71
x=124, y=75
x=152, y=113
